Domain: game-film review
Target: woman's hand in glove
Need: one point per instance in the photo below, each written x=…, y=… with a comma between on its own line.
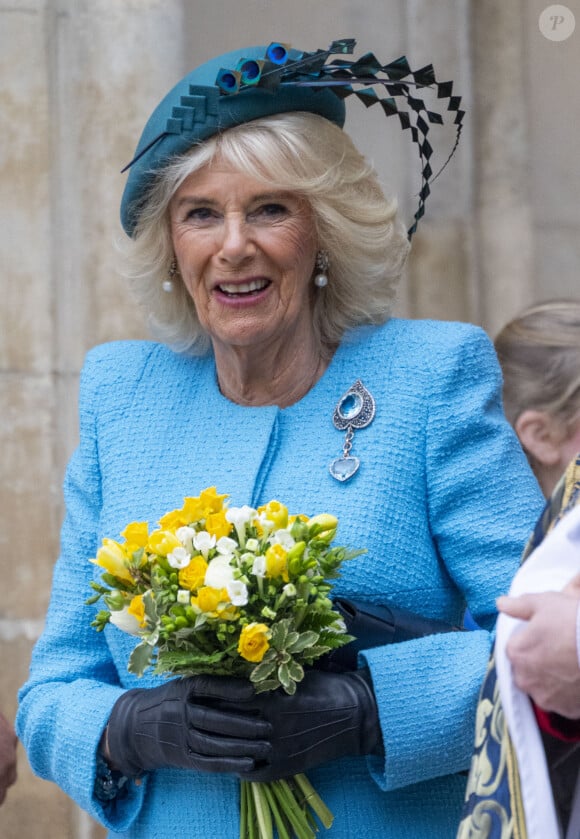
x=168, y=726
x=331, y=715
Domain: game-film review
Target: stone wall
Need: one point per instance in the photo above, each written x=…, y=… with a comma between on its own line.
x=78, y=79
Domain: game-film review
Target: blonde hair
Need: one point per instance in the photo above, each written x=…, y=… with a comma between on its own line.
x=539, y=352
x=311, y=157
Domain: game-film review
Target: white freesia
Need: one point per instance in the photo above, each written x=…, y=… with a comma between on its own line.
x=252, y=545
x=219, y=573
x=289, y=590
x=239, y=517
x=125, y=621
x=237, y=592
x=203, y=542
x=265, y=523
x=179, y=558
x=259, y=566
x=283, y=538
x=226, y=546
x=184, y=596
x=185, y=536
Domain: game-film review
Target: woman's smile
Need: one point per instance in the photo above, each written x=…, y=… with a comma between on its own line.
x=243, y=290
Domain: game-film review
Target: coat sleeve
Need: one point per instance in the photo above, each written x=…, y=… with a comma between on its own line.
x=73, y=683
x=482, y=503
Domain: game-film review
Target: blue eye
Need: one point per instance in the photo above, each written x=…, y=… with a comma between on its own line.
x=274, y=209
x=269, y=211
x=200, y=214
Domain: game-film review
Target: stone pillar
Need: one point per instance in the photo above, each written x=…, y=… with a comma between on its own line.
x=28, y=535
x=441, y=272
x=503, y=218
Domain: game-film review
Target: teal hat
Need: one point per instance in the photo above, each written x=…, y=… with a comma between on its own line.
x=197, y=108
x=256, y=82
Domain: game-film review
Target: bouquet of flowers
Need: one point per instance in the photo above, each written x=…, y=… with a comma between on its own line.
x=232, y=591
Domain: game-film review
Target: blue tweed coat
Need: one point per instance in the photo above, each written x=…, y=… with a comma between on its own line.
x=443, y=501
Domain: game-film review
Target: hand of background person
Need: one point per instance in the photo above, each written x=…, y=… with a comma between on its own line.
x=543, y=652
x=8, y=744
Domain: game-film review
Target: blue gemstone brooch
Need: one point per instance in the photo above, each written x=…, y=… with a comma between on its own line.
x=356, y=409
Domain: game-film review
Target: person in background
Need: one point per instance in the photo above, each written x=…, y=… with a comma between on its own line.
x=8, y=743
x=268, y=258
x=539, y=353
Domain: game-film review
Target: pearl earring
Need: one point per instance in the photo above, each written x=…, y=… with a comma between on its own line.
x=321, y=278
x=168, y=285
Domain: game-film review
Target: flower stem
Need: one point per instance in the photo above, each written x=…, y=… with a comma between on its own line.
x=313, y=800
x=247, y=812
x=292, y=810
x=278, y=817
x=262, y=811
x=243, y=811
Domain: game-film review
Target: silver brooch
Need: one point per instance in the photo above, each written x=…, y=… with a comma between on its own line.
x=356, y=409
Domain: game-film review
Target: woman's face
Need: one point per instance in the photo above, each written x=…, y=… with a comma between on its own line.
x=246, y=254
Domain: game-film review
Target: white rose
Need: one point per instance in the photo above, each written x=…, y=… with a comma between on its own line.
x=219, y=573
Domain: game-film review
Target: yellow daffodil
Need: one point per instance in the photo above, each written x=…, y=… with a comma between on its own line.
x=253, y=643
x=193, y=576
x=277, y=562
x=162, y=542
x=113, y=558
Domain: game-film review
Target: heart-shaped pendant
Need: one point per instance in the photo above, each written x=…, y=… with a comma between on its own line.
x=344, y=468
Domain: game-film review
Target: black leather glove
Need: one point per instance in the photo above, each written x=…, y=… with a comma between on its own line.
x=331, y=715
x=166, y=726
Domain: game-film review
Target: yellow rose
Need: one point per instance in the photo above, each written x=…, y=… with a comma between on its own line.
x=217, y=525
x=173, y=520
x=276, y=562
x=136, y=534
x=137, y=609
x=193, y=575
x=253, y=643
x=113, y=558
x=162, y=542
x=276, y=513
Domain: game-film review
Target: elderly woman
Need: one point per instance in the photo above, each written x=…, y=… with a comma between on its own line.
x=268, y=258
